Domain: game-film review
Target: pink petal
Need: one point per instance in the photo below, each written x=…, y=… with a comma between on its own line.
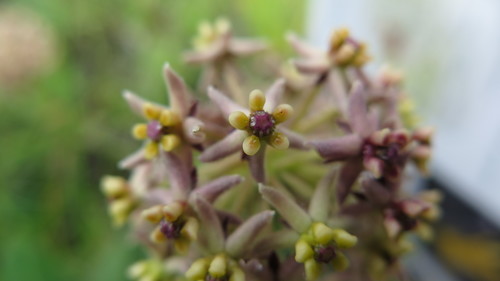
x=320, y=204
x=303, y=49
x=242, y=47
x=274, y=95
x=179, y=175
x=287, y=208
x=210, y=191
x=243, y=238
x=213, y=237
x=133, y=160
x=338, y=148
x=225, y=104
x=179, y=96
x=348, y=175
x=225, y=147
x=312, y=66
x=358, y=112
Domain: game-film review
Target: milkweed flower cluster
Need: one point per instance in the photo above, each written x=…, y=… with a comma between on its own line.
x=300, y=181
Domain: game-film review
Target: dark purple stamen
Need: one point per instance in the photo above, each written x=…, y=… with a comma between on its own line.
x=154, y=130
x=262, y=123
x=170, y=230
x=324, y=254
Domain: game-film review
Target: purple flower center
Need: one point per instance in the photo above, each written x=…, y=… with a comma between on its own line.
x=324, y=254
x=262, y=123
x=154, y=130
x=170, y=230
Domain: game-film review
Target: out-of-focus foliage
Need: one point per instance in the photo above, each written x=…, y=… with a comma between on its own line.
x=61, y=127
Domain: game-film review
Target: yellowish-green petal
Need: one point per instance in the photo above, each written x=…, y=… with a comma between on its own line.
x=282, y=112
x=303, y=251
x=151, y=150
x=257, y=100
x=239, y=120
x=170, y=142
x=140, y=131
x=279, y=141
x=251, y=145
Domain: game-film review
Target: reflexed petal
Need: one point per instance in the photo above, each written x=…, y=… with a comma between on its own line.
x=208, y=55
x=338, y=148
x=135, y=102
x=133, y=160
x=287, y=208
x=213, y=236
x=336, y=87
x=284, y=238
x=210, y=191
x=301, y=47
x=243, y=238
x=296, y=141
x=348, y=175
x=225, y=104
x=312, y=66
x=180, y=99
x=228, y=145
x=320, y=204
x=376, y=192
x=193, y=130
x=178, y=175
x=358, y=112
x=242, y=47
x=274, y=94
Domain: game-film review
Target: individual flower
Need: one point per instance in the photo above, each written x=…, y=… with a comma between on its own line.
x=344, y=51
x=167, y=128
x=175, y=220
x=215, y=42
x=382, y=152
x=255, y=127
x=318, y=243
x=412, y=214
x=224, y=252
x=122, y=200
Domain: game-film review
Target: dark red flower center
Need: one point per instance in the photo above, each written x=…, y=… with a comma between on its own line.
x=262, y=123
x=324, y=254
x=170, y=230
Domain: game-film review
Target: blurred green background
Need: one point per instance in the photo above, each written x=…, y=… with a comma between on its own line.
x=64, y=127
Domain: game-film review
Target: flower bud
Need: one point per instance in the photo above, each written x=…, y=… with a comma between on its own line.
x=251, y=145
x=256, y=100
x=303, y=251
x=239, y=120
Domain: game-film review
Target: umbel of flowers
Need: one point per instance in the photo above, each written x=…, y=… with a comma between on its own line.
x=302, y=181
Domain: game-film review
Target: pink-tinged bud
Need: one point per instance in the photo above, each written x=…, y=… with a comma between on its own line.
x=392, y=227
